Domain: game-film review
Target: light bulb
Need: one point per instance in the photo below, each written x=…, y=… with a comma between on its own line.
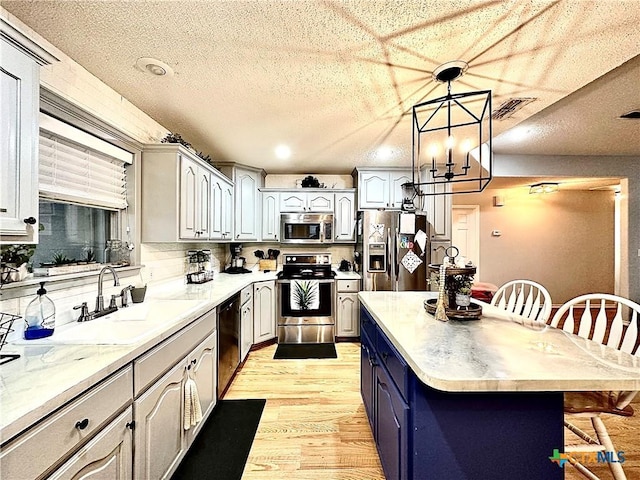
x=450, y=142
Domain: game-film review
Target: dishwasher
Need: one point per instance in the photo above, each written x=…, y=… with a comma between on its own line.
x=228, y=341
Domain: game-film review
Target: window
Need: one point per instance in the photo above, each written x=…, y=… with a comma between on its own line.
x=72, y=233
x=82, y=185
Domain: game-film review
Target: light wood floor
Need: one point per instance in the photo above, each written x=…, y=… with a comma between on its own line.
x=314, y=426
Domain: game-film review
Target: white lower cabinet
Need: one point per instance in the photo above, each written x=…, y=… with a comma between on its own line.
x=246, y=321
x=204, y=363
x=347, y=308
x=264, y=311
x=107, y=456
x=160, y=438
x=48, y=443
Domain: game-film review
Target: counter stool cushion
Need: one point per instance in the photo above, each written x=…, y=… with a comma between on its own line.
x=595, y=402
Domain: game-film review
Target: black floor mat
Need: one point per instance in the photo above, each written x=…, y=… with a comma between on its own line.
x=305, y=350
x=221, y=448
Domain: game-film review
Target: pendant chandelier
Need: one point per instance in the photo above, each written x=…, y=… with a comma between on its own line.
x=452, y=139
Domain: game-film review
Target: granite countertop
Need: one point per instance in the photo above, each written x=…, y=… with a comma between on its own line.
x=48, y=375
x=499, y=352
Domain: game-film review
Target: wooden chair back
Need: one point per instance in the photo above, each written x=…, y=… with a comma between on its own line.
x=524, y=297
x=601, y=317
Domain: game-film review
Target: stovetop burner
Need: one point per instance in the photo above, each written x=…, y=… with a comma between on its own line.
x=315, y=274
x=307, y=265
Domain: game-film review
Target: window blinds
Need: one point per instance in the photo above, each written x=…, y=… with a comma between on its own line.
x=72, y=172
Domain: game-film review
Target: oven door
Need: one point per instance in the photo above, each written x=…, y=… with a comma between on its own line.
x=306, y=311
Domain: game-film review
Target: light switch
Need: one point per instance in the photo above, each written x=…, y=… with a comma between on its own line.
x=496, y=233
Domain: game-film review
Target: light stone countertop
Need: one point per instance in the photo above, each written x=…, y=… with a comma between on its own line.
x=46, y=377
x=351, y=275
x=499, y=352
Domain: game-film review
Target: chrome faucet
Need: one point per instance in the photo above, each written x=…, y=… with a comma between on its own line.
x=100, y=310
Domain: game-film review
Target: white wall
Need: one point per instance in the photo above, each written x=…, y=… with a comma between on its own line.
x=593, y=166
x=563, y=240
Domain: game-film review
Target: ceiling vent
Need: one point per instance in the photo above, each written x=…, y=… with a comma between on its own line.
x=511, y=106
x=633, y=115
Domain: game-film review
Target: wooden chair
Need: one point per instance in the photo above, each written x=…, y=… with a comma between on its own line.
x=524, y=297
x=591, y=312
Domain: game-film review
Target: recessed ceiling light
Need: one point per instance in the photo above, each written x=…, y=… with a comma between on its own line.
x=153, y=66
x=283, y=152
x=384, y=152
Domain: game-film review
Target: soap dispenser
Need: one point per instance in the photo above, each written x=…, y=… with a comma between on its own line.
x=40, y=316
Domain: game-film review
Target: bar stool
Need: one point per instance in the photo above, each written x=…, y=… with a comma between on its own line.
x=593, y=404
x=524, y=297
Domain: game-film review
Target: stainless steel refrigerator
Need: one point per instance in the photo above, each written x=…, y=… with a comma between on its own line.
x=394, y=250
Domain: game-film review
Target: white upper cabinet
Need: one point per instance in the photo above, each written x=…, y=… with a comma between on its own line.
x=270, y=216
x=221, y=208
x=381, y=188
x=345, y=217
x=183, y=197
x=306, y=202
x=247, y=210
x=195, y=199
x=19, y=88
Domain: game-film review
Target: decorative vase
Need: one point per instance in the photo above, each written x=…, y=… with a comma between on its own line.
x=463, y=299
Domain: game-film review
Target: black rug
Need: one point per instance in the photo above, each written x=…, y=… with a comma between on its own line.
x=305, y=350
x=221, y=448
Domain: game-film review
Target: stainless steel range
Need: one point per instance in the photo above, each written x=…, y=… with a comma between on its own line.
x=306, y=288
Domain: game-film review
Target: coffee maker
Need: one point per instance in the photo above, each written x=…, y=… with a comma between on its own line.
x=237, y=260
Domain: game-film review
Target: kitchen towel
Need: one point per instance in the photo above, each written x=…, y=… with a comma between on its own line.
x=192, y=408
x=304, y=295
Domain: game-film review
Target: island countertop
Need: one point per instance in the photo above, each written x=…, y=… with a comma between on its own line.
x=499, y=352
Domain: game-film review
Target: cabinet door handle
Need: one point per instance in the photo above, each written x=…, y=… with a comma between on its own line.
x=30, y=221
x=131, y=425
x=385, y=355
x=82, y=424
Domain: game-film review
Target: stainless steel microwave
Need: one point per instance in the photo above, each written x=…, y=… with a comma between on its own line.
x=306, y=228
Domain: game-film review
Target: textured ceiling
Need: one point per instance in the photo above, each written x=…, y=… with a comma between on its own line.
x=336, y=80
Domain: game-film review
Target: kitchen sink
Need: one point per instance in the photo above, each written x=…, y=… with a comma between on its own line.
x=125, y=326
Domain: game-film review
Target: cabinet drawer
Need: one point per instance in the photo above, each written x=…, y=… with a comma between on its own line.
x=396, y=366
x=108, y=455
x=150, y=366
x=348, y=285
x=41, y=447
x=246, y=294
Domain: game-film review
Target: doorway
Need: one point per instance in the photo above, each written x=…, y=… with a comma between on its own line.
x=465, y=233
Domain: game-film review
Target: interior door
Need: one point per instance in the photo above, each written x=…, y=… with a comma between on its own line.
x=465, y=233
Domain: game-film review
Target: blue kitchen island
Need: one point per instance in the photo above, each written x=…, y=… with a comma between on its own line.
x=477, y=399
